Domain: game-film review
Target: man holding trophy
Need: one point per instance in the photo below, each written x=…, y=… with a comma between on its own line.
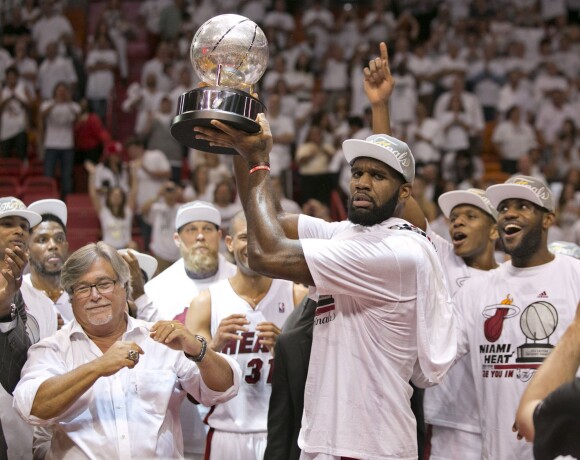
x=374, y=327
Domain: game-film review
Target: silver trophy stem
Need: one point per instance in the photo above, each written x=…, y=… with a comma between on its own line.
x=218, y=76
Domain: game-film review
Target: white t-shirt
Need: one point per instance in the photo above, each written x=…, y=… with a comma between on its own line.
x=59, y=128
x=148, y=186
x=42, y=311
x=14, y=116
x=100, y=82
x=116, y=231
x=512, y=318
x=369, y=313
x=50, y=73
x=163, y=219
x=248, y=412
x=172, y=290
x=50, y=29
x=514, y=140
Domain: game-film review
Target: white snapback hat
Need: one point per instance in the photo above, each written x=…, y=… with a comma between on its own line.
x=473, y=196
x=196, y=211
x=523, y=187
x=146, y=262
x=10, y=206
x=50, y=206
x=384, y=148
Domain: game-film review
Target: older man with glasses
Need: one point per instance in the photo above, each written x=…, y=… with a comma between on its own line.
x=110, y=385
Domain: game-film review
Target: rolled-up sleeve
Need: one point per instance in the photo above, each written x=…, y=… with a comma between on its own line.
x=191, y=381
x=42, y=364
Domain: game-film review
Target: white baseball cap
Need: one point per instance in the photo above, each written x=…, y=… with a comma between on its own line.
x=10, y=206
x=523, y=187
x=384, y=148
x=50, y=206
x=146, y=262
x=196, y=211
x=473, y=196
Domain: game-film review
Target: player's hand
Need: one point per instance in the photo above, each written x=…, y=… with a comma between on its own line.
x=15, y=259
x=119, y=355
x=252, y=147
x=137, y=281
x=267, y=334
x=378, y=80
x=228, y=330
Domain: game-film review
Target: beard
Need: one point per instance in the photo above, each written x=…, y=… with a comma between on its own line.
x=528, y=246
x=43, y=271
x=201, y=265
x=373, y=216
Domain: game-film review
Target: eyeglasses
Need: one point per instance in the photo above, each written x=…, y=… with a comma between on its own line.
x=103, y=287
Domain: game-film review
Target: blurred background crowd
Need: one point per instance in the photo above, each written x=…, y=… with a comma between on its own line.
x=484, y=89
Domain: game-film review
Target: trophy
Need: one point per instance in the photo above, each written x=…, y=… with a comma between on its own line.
x=229, y=53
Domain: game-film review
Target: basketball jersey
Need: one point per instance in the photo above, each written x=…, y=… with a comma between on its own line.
x=248, y=412
x=513, y=318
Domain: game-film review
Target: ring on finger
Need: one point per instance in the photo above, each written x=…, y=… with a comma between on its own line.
x=133, y=356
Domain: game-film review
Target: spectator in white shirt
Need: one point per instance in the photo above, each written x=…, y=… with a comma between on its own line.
x=27, y=67
x=55, y=69
x=280, y=23
x=161, y=211
x=551, y=116
x=100, y=64
x=108, y=373
x=58, y=117
x=50, y=27
x=513, y=138
x=425, y=137
x=152, y=169
x=15, y=103
x=516, y=91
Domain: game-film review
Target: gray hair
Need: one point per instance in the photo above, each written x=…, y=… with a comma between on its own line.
x=80, y=261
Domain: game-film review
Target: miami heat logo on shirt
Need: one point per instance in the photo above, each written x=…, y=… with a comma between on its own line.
x=496, y=314
x=506, y=359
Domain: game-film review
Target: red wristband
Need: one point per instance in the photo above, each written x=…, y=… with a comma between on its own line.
x=259, y=168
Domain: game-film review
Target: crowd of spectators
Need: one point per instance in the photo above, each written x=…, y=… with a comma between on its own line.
x=476, y=81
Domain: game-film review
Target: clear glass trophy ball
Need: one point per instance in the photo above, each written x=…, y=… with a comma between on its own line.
x=229, y=50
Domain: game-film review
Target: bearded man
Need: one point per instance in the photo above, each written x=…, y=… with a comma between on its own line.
x=197, y=235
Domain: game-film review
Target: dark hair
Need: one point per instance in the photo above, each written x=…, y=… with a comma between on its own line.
x=117, y=213
x=52, y=218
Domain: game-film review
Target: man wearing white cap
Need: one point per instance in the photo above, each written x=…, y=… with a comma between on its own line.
x=384, y=313
x=15, y=223
x=197, y=235
x=514, y=315
x=48, y=251
x=47, y=305
x=451, y=407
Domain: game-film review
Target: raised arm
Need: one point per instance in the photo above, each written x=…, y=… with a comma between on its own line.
x=378, y=86
x=95, y=199
x=271, y=252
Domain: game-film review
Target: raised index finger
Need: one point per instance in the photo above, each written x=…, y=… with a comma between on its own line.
x=384, y=54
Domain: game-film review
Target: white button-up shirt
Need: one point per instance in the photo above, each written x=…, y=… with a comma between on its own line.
x=131, y=414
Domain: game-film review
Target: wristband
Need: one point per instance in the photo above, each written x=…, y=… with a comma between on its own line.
x=260, y=167
x=198, y=358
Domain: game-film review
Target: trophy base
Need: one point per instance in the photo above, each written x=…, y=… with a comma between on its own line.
x=199, y=106
x=533, y=353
